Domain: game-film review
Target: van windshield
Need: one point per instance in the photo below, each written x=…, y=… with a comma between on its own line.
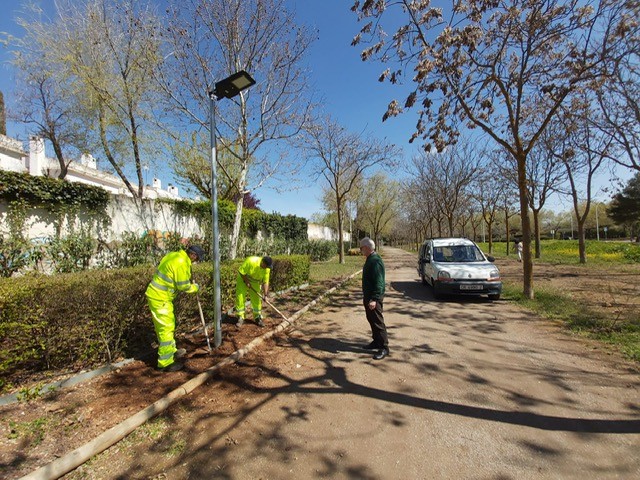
x=457, y=253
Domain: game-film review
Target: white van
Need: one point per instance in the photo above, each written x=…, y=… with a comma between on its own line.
x=457, y=266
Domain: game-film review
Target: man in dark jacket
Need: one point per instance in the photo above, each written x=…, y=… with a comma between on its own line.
x=373, y=295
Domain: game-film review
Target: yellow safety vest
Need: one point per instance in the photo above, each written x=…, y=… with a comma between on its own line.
x=172, y=276
x=251, y=268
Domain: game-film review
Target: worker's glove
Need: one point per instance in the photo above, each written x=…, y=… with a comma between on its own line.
x=194, y=288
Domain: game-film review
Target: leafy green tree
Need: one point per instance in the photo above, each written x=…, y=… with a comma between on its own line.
x=625, y=207
x=100, y=59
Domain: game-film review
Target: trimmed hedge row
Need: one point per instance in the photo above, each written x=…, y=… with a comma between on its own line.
x=78, y=320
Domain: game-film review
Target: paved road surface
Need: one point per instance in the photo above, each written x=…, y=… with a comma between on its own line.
x=472, y=389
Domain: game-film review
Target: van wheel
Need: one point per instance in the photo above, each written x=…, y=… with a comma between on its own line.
x=494, y=296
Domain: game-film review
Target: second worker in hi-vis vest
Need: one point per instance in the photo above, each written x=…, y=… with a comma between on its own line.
x=253, y=277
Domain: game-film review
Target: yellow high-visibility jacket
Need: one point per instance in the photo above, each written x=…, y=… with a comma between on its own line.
x=251, y=268
x=173, y=276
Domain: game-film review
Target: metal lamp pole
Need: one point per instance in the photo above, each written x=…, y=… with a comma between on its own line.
x=215, y=240
x=227, y=88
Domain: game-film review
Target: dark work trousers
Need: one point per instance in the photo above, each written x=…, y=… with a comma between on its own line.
x=378, y=328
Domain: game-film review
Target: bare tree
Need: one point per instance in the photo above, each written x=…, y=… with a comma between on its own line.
x=449, y=175
x=504, y=67
x=618, y=99
x=342, y=158
x=108, y=52
x=191, y=163
x=209, y=40
x=44, y=99
x=544, y=176
x=378, y=204
x=488, y=190
x=418, y=210
x=582, y=150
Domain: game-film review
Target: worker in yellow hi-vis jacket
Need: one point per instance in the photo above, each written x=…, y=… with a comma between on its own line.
x=253, y=276
x=172, y=276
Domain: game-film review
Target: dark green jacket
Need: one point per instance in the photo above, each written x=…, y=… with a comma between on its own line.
x=373, y=278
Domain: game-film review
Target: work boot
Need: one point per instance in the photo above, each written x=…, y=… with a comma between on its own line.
x=239, y=322
x=181, y=352
x=259, y=321
x=174, y=367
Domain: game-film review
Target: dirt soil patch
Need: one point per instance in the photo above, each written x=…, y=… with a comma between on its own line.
x=37, y=432
x=611, y=290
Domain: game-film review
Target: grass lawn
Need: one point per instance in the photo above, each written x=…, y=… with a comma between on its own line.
x=566, y=251
x=333, y=269
x=621, y=331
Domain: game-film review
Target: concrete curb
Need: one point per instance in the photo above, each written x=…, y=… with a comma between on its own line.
x=77, y=457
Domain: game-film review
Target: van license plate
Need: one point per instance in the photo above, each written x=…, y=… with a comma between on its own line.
x=470, y=287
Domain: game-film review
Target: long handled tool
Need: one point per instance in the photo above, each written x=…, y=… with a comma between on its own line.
x=204, y=324
x=269, y=303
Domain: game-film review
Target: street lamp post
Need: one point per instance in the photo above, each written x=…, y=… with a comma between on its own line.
x=227, y=88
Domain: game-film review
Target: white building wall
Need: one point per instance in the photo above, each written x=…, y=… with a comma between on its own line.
x=320, y=232
x=12, y=155
x=126, y=216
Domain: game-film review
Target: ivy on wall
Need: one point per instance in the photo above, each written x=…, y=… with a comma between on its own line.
x=52, y=193
x=284, y=227
x=60, y=198
x=67, y=199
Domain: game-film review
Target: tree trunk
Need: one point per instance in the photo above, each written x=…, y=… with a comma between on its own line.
x=536, y=228
x=60, y=156
x=527, y=263
x=582, y=248
x=237, y=222
x=340, y=239
x=506, y=225
x=490, y=232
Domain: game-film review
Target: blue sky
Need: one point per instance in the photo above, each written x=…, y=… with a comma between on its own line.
x=349, y=87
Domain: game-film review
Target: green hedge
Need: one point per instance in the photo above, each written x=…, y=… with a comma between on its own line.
x=79, y=320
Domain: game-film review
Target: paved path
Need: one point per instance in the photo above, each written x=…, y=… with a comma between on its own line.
x=472, y=389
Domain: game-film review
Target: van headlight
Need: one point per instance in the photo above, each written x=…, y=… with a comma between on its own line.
x=494, y=275
x=444, y=276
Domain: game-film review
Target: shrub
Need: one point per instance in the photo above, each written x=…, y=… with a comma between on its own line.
x=71, y=253
x=322, y=250
x=16, y=254
x=81, y=319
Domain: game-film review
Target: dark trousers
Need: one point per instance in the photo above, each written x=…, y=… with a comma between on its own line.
x=378, y=328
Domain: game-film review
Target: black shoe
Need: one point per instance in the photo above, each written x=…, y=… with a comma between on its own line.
x=259, y=322
x=174, y=367
x=383, y=352
x=371, y=346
